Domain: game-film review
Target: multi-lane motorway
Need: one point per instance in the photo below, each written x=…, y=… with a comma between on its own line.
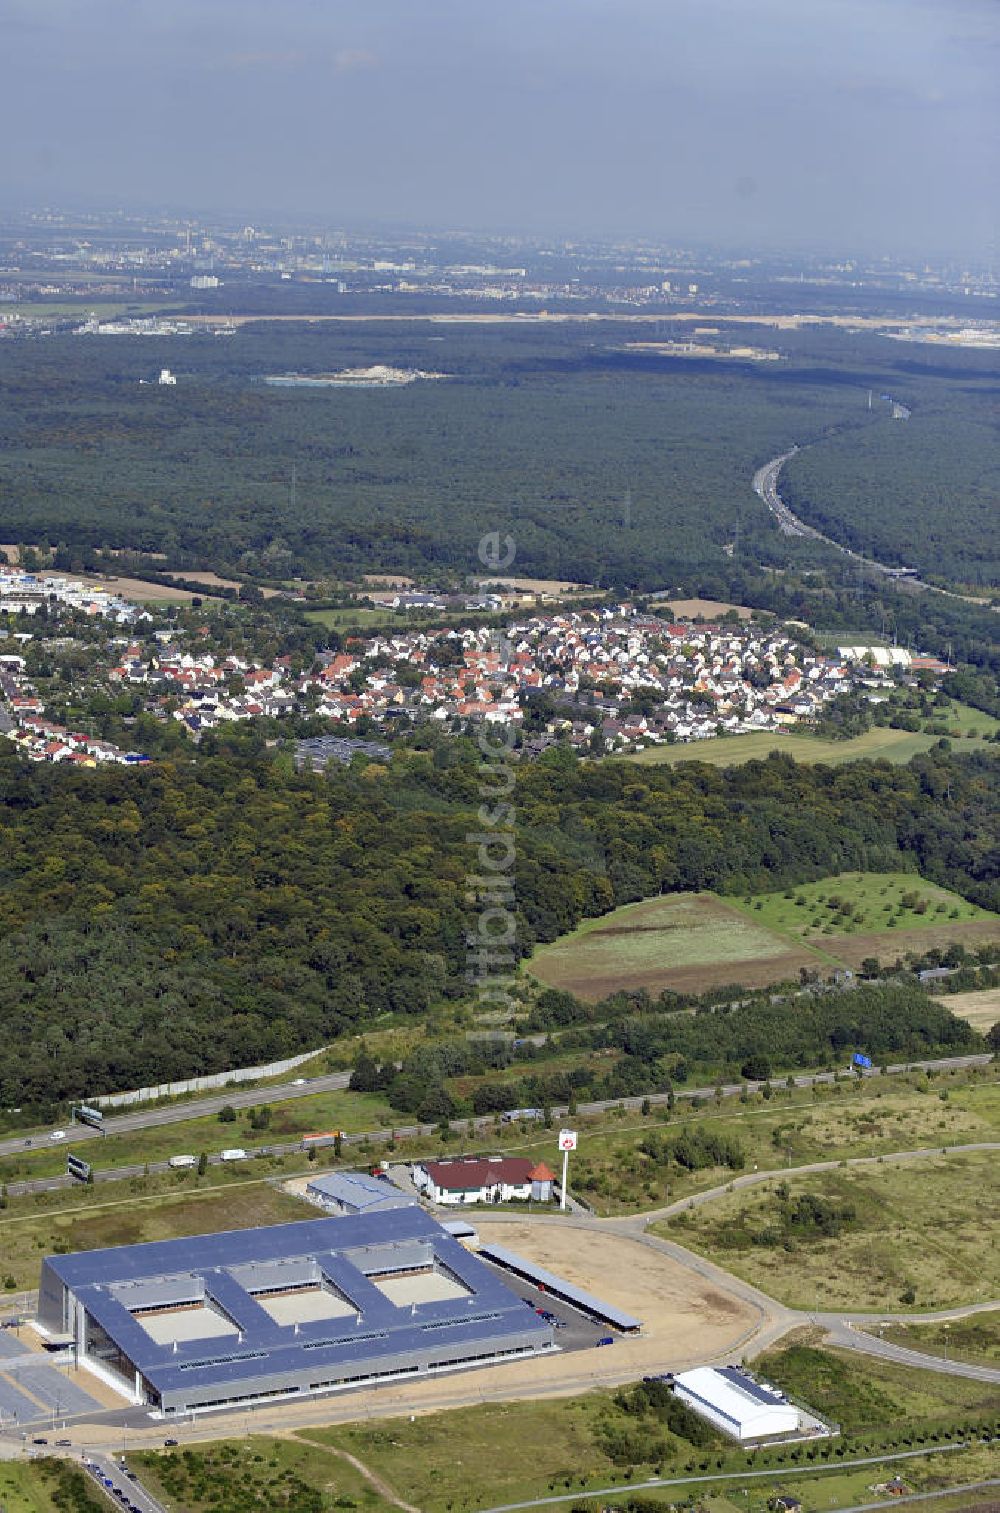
x=152, y=1118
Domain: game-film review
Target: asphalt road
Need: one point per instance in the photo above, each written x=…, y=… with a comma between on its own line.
x=103, y=1468
x=281, y=1092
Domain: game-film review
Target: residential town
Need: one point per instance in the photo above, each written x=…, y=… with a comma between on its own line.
x=609, y=679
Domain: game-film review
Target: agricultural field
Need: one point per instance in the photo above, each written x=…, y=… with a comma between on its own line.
x=861, y=903
x=732, y=751
x=692, y=941
x=975, y=1339
x=632, y=1168
x=130, y=1215
x=918, y=1234
x=684, y=941
x=981, y=1009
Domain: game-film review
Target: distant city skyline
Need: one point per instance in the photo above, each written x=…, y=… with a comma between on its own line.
x=855, y=125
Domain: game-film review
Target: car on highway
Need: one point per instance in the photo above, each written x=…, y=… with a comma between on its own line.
x=299, y=1082
x=171, y=1442
x=58, y=1134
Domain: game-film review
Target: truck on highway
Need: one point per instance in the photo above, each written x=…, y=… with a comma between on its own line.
x=182, y=1162
x=236, y=1153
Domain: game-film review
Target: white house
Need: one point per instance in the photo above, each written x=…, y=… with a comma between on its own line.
x=484, y=1179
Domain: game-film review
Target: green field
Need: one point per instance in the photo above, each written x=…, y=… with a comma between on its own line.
x=131, y=1215
x=692, y=941
x=47, y=1486
x=919, y=1234
x=732, y=751
x=869, y=902
x=338, y=1109
x=258, y=1476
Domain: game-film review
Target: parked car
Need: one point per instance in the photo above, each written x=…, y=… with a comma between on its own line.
x=606, y=1339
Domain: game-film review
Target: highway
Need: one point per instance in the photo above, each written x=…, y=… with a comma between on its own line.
x=765, y=486
x=152, y=1118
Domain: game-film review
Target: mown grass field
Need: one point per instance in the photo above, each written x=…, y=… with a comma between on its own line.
x=982, y=1009
x=684, y=941
x=975, y=1339
x=924, y=1235
x=794, y=1128
x=732, y=751
x=693, y=941
x=45, y=1486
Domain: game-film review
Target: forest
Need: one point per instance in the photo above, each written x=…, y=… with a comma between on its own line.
x=538, y=430
x=164, y=921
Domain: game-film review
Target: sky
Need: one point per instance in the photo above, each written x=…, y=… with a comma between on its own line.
x=840, y=125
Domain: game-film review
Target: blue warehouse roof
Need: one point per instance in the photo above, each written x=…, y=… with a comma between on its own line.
x=326, y=1348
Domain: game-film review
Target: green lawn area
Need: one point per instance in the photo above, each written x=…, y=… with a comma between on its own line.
x=732, y=751
x=859, y=901
x=348, y=619
x=920, y=1234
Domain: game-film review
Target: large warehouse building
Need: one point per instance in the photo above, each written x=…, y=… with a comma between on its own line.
x=292, y=1309
x=736, y=1403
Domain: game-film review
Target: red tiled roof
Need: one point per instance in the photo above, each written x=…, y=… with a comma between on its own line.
x=463, y=1176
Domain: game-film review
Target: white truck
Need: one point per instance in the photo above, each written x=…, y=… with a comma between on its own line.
x=183, y=1162
x=235, y=1154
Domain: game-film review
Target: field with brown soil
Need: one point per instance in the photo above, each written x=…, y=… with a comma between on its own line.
x=684, y=941
x=889, y=944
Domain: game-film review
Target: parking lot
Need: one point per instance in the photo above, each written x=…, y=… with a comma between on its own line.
x=33, y=1390
x=573, y=1330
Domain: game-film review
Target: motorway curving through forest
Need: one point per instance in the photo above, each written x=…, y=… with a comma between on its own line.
x=765, y=486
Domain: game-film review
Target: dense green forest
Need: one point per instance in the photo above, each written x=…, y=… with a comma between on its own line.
x=923, y=492
x=663, y=1049
x=540, y=430
x=180, y=918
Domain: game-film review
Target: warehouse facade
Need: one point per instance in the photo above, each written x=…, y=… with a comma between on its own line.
x=285, y=1311
x=735, y=1402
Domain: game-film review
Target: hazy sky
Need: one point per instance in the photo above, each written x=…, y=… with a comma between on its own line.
x=839, y=123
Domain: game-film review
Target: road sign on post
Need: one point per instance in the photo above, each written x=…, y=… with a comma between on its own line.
x=567, y=1143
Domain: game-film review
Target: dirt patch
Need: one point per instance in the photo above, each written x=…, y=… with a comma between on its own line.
x=212, y=580
x=552, y=586
x=705, y=609
x=681, y=1312
x=889, y=944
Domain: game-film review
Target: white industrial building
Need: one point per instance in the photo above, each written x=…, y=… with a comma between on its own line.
x=734, y=1402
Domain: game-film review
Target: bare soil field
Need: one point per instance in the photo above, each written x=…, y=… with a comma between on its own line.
x=888, y=944
x=981, y=1009
x=137, y=588
x=687, y=942
x=537, y=585
x=705, y=609
x=212, y=580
